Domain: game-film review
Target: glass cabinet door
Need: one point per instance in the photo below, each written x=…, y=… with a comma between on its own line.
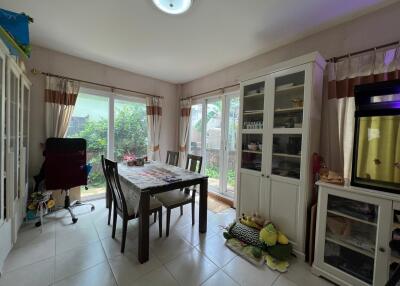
x=13, y=132
x=287, y=124
x=252, y=125
x=286, y=155
x=2, y=138
x=24, y=127
x=288, y=101
x=351, y=235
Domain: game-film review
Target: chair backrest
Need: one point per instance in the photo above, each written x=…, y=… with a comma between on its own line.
x=193, y=163
x=112, y=177
x=103, y=167
x=65, y=163
x=172, y=158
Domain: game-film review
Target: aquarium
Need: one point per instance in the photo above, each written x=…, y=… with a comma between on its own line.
x=376, y=154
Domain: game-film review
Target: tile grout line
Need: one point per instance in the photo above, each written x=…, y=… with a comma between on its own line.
x=276, y=279
x=105, y=254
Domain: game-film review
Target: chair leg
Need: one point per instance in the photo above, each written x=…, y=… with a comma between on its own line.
x=181, y=210
x=155, y=217
x=124, y=230
x=114, y=225
x=109, y=214
x=168, y=220
x=160, y=222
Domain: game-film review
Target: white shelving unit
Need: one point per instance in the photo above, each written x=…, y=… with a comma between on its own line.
x=275, y=181
x=354, y=228
x=14, y=126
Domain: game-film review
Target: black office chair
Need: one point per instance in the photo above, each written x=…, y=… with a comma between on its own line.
x=64, y=167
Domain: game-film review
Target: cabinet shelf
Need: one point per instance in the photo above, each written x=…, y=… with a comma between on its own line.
x=286, y=155
x=253, y=112
x=350, y=217
x=394, y=258
x=350, y=246
x=288, y=110
x=251, y=151
x=284, y=130
x=253, y=95
x=289, y=88
x=395, y=225
x=252, y=131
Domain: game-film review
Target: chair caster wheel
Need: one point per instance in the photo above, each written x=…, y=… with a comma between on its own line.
x=37, y=224
x=74, y=220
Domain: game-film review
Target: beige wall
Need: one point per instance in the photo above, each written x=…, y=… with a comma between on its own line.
x=58, y=63
x=371, y=30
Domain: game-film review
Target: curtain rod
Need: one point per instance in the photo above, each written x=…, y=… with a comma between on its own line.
x=335, y=59
x=36, y=72
x=210, y=91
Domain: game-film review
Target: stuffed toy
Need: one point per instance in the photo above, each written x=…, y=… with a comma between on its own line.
x=255, y=238
x=269, y=235
x=254, y=221
x=275, y=264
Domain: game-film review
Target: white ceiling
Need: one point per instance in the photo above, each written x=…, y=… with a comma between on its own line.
x=133, y=35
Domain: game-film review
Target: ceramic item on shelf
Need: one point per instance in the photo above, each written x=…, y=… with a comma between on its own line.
x=252, y=146
x=297, y=102
x=260, y=147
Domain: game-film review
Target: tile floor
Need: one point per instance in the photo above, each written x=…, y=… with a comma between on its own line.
x=85, y=254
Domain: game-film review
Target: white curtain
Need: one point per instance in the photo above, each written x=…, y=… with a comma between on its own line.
x=60, y=99
x=184, y=122
x=339, y=106
x=154, y=114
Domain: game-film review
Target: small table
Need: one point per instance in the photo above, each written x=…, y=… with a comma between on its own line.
x=156, y=177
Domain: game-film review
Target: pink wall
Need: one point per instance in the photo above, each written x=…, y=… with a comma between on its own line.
x=368, y=31
x=59, y=63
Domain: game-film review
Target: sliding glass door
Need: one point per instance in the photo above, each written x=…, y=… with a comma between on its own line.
x=214, y=152
x=196, y=130
x=232, y=124
x=213, y=129
x=113, y=126
x=90, y=120
x=130, y=129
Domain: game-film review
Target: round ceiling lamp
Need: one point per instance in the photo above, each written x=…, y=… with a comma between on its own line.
x=173, y=7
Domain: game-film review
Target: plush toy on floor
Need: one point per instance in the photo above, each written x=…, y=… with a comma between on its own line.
x=259, y=241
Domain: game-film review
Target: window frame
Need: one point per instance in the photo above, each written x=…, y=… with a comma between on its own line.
x=112, y=96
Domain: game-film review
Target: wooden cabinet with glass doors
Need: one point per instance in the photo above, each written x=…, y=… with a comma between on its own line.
x=278, y=135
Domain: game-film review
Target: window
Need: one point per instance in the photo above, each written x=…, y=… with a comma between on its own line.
x=90, y=121
x=130, y=129
x=213, y=134
x=113, y=132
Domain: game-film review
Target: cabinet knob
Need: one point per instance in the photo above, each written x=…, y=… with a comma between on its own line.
x=262, y=175
x=382, y=249
x=267, y=176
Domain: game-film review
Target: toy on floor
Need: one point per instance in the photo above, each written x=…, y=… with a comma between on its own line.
x=259, y=241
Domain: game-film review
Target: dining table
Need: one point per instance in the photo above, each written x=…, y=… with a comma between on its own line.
x=156, y=177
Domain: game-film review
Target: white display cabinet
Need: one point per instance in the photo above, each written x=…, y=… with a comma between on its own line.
x=279, y=131
x=354, y=229
x=14, y=126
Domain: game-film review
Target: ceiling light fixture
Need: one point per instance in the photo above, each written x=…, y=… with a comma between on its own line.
x=173, y=7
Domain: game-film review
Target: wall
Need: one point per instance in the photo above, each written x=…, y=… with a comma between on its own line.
x=58, y=63
x=368, y=31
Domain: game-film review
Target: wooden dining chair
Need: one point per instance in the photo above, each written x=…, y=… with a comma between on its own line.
x=179, y=198
x=172, y=158
x=126, y=202
x=109, y=197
